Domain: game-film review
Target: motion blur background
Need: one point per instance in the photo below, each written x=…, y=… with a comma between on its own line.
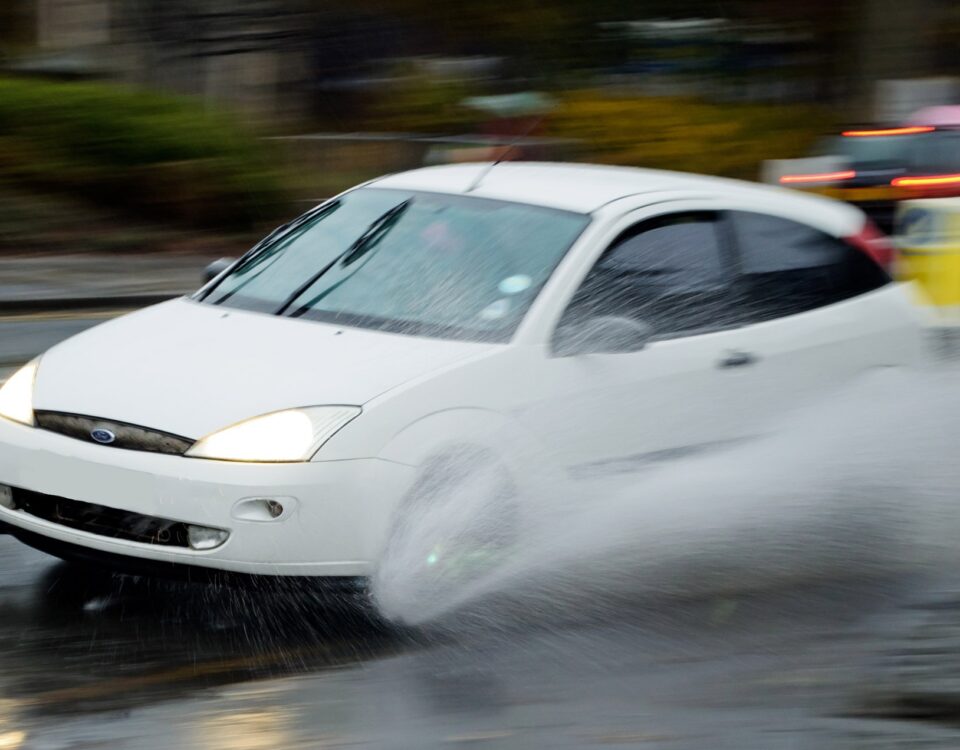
x=193, y=125
x=140, y=139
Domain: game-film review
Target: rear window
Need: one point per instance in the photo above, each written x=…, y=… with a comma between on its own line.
x=934, y=152
x=940, y=152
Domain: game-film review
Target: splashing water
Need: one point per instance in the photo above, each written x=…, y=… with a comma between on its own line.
x=863, y=482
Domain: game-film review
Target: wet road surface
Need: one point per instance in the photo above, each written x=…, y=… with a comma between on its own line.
x=92, y=660
x=23, y=337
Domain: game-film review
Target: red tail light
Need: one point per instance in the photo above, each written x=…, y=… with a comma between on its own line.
x=944, y=180
x=875, y=244
x=793, y=179
x=881, y=132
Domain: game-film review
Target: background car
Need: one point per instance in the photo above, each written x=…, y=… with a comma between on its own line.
x=874, y=168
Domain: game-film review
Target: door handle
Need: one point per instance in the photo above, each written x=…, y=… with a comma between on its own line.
x=736, y=359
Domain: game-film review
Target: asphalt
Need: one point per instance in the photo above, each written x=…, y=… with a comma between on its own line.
x=47, y=298
x=24, y=336
x=92, y=660
x=42, y=283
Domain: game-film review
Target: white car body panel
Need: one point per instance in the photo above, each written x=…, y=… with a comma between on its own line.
x=875, y=330
x=189, y=369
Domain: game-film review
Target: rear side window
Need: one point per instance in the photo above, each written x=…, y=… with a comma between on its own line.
x=786, y=267
x=670, y=273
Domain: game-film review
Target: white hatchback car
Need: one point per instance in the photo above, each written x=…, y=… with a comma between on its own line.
x=554, y=315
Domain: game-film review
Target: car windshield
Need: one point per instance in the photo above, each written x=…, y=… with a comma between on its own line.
x=419, y=263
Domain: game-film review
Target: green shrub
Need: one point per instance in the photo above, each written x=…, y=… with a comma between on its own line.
x=160, y=155
x=419, y=102
x=685, y=134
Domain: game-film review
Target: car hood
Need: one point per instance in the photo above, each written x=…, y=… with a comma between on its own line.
x=189, y=368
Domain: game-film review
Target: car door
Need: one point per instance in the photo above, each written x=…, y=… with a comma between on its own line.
x=673, y=273
x=813, y=311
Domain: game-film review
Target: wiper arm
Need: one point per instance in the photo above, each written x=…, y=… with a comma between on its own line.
x=357, y=248
x=366, y=241
x=254, y=252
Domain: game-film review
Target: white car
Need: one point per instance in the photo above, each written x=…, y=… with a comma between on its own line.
x=550, y=315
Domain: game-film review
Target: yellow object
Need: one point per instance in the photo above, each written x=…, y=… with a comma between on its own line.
x=858, y=195
x=862, y=195
x=928, y=239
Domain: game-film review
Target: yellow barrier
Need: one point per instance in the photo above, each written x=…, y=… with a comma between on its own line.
x=927, y=235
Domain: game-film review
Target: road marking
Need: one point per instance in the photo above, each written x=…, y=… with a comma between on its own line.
x=273, y=663
x=117, y=685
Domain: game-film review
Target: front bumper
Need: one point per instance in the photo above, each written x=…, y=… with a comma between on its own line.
x=336, y=516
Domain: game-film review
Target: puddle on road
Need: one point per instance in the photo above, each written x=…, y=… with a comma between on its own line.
x=862, y=483
x=78, y=640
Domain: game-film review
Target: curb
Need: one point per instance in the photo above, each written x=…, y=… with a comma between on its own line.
x=58, y=304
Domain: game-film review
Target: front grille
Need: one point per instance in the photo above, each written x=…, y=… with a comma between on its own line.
x=126, y=435
x=100, y=520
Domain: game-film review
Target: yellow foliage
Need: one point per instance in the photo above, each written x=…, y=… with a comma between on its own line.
x=685, y=134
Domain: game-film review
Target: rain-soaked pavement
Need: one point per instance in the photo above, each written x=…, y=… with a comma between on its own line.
x=24, y=336
x=90, y=660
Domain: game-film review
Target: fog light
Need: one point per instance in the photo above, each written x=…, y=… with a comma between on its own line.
x=6, y=498
x=202, y=538
x=263, y=509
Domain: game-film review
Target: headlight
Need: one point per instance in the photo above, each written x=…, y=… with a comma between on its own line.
x=280, y=437
x=16, y=395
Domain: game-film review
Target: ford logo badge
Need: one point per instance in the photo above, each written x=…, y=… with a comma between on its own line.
x=102, y=436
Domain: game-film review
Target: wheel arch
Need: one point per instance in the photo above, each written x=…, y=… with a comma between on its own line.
x=482, y=432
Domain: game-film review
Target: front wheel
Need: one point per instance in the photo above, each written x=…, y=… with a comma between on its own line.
x=453, y=531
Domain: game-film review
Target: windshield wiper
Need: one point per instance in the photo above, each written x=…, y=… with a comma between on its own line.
x=357, y=249
x=257, y=250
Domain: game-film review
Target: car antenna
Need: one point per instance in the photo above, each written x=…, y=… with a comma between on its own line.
x=504, y=154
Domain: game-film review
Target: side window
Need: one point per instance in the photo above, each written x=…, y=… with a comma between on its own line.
x=787, y=267
x=670, y=273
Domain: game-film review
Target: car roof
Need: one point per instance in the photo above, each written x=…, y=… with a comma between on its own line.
x=585, y=188
x=945, y=115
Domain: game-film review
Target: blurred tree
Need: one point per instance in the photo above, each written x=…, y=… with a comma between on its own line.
x=555, y=40
x=946, y=41
x=16, y=24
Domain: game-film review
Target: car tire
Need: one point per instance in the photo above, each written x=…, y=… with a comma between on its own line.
x=455, y=528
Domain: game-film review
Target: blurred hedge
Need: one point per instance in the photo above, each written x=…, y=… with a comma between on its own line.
x=419, y=102
x=158, y=155
x=685, y=134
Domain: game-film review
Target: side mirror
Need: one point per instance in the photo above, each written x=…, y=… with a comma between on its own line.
x=216, y=268
x=601, y=335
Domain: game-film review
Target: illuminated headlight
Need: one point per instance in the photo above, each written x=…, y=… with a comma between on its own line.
x=16, y=395
x=281, y=437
